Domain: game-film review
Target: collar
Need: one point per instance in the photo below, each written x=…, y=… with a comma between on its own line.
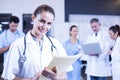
x=93, y=33
x=31, y=39
x=16, y=32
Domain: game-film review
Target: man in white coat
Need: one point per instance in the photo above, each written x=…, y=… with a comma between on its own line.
x=97, y=64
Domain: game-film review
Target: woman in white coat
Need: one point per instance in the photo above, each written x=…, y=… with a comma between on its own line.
x=29, y=57
x=97, y=64
x=114, y=32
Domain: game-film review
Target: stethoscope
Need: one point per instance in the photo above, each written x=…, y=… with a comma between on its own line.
x=23, y=57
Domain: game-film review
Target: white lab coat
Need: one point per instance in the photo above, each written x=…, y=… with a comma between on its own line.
x=116, y=60
x=98, y=65
x=36, y=59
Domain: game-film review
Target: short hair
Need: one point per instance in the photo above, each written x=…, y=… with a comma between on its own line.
x=42, y=8
x=94, y=20
x=14, y=19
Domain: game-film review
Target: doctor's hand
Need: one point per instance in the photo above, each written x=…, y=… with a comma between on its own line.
x=94, y=55
x=110, y=52
x=50, y=73
x=37, y=76
x=4, y=49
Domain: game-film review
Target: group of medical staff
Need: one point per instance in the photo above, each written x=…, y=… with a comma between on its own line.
x=36, y=50
x=99, y=66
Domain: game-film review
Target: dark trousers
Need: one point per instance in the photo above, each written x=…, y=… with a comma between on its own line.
x=97, y=78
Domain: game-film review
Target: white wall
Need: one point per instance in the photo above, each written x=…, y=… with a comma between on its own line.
x=84, y=22
x=61, y=28
x=18, y=7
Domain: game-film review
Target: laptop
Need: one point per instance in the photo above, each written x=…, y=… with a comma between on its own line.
x=91, y=48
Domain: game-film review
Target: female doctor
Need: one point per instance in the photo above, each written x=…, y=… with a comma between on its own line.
x=29, y=56
x=114, y=32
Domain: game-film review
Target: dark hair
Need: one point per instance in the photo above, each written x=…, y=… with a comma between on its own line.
x=46, y=8
x=94, y=20
x=115, y=29
x=72, y=28
x=14, y=19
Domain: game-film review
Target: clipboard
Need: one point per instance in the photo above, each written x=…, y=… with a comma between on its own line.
x=92, y=48
x=63, y=62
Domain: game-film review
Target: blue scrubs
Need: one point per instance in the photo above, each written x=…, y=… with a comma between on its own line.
x=73, y=49
x=7, y=37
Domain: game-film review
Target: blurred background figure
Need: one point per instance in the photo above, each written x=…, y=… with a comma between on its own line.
x=72, y=47
x=114, y=32
x=9, y=36
x=97, y=64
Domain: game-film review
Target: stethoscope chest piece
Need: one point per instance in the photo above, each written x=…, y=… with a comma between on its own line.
x=23, y=58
